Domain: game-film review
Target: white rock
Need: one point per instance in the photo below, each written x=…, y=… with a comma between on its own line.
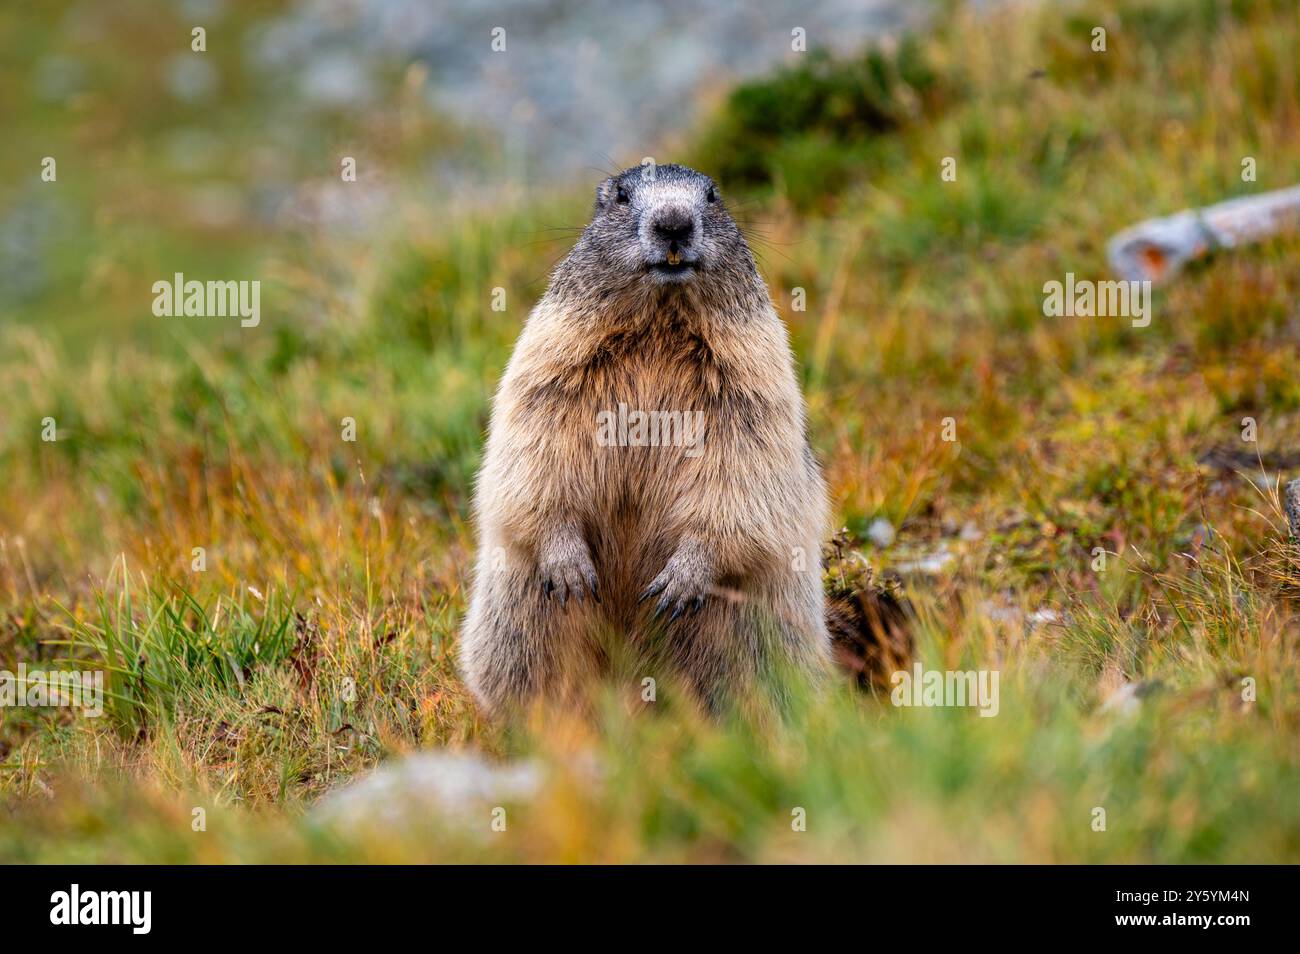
x=428, y=784
x=929, y=564
x=1041, y=616
x=881, y=532
x=1123, y=701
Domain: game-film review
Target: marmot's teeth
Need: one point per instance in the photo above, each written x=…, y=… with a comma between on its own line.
x=674, y=258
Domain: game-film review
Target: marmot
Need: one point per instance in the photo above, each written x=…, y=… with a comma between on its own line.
x=648, y=489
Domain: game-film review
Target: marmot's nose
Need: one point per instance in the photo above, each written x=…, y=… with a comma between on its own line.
x=674, y=225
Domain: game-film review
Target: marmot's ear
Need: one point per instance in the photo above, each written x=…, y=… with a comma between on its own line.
x=604, y=193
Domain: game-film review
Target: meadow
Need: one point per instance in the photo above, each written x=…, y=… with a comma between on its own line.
x=1100, y=532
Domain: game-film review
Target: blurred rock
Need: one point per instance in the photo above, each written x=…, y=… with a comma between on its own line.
x=30, y=231
x=881, y=532
x=604, y=88
x=338, y=79
x=58, y=77
x=928, y=564
x=191, y=77
x=1127, y=699
x=1043, y=617
x=453, y=785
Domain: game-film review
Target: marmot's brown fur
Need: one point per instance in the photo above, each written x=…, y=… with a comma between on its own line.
x=697, y=558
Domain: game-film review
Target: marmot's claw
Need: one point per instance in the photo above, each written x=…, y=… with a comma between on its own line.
x=686, y=606
x=573, y=577
x=683, y=585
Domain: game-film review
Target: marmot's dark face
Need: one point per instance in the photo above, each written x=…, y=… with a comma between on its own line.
x=666, y=224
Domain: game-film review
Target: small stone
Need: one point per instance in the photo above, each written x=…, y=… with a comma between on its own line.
x=452, y=785
x=1040, y=617
x=928, y=564
x=1123, y=701
x=881, y=532
x=1127, y=699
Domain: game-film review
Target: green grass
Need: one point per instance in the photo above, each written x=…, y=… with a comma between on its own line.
x=320, y=638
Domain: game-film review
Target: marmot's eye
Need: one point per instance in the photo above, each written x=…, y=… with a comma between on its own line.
x=712, y=195
x=621, y=196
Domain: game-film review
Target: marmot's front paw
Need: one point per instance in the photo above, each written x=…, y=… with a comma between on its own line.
x=568, y=571
x=683, y=583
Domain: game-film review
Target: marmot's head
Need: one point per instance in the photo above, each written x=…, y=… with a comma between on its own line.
x=665, y=225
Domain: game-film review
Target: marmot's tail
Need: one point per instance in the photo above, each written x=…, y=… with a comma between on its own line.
x=871, y=633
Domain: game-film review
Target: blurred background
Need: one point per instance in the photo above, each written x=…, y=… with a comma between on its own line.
x=169, y=157
x=912, y=300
